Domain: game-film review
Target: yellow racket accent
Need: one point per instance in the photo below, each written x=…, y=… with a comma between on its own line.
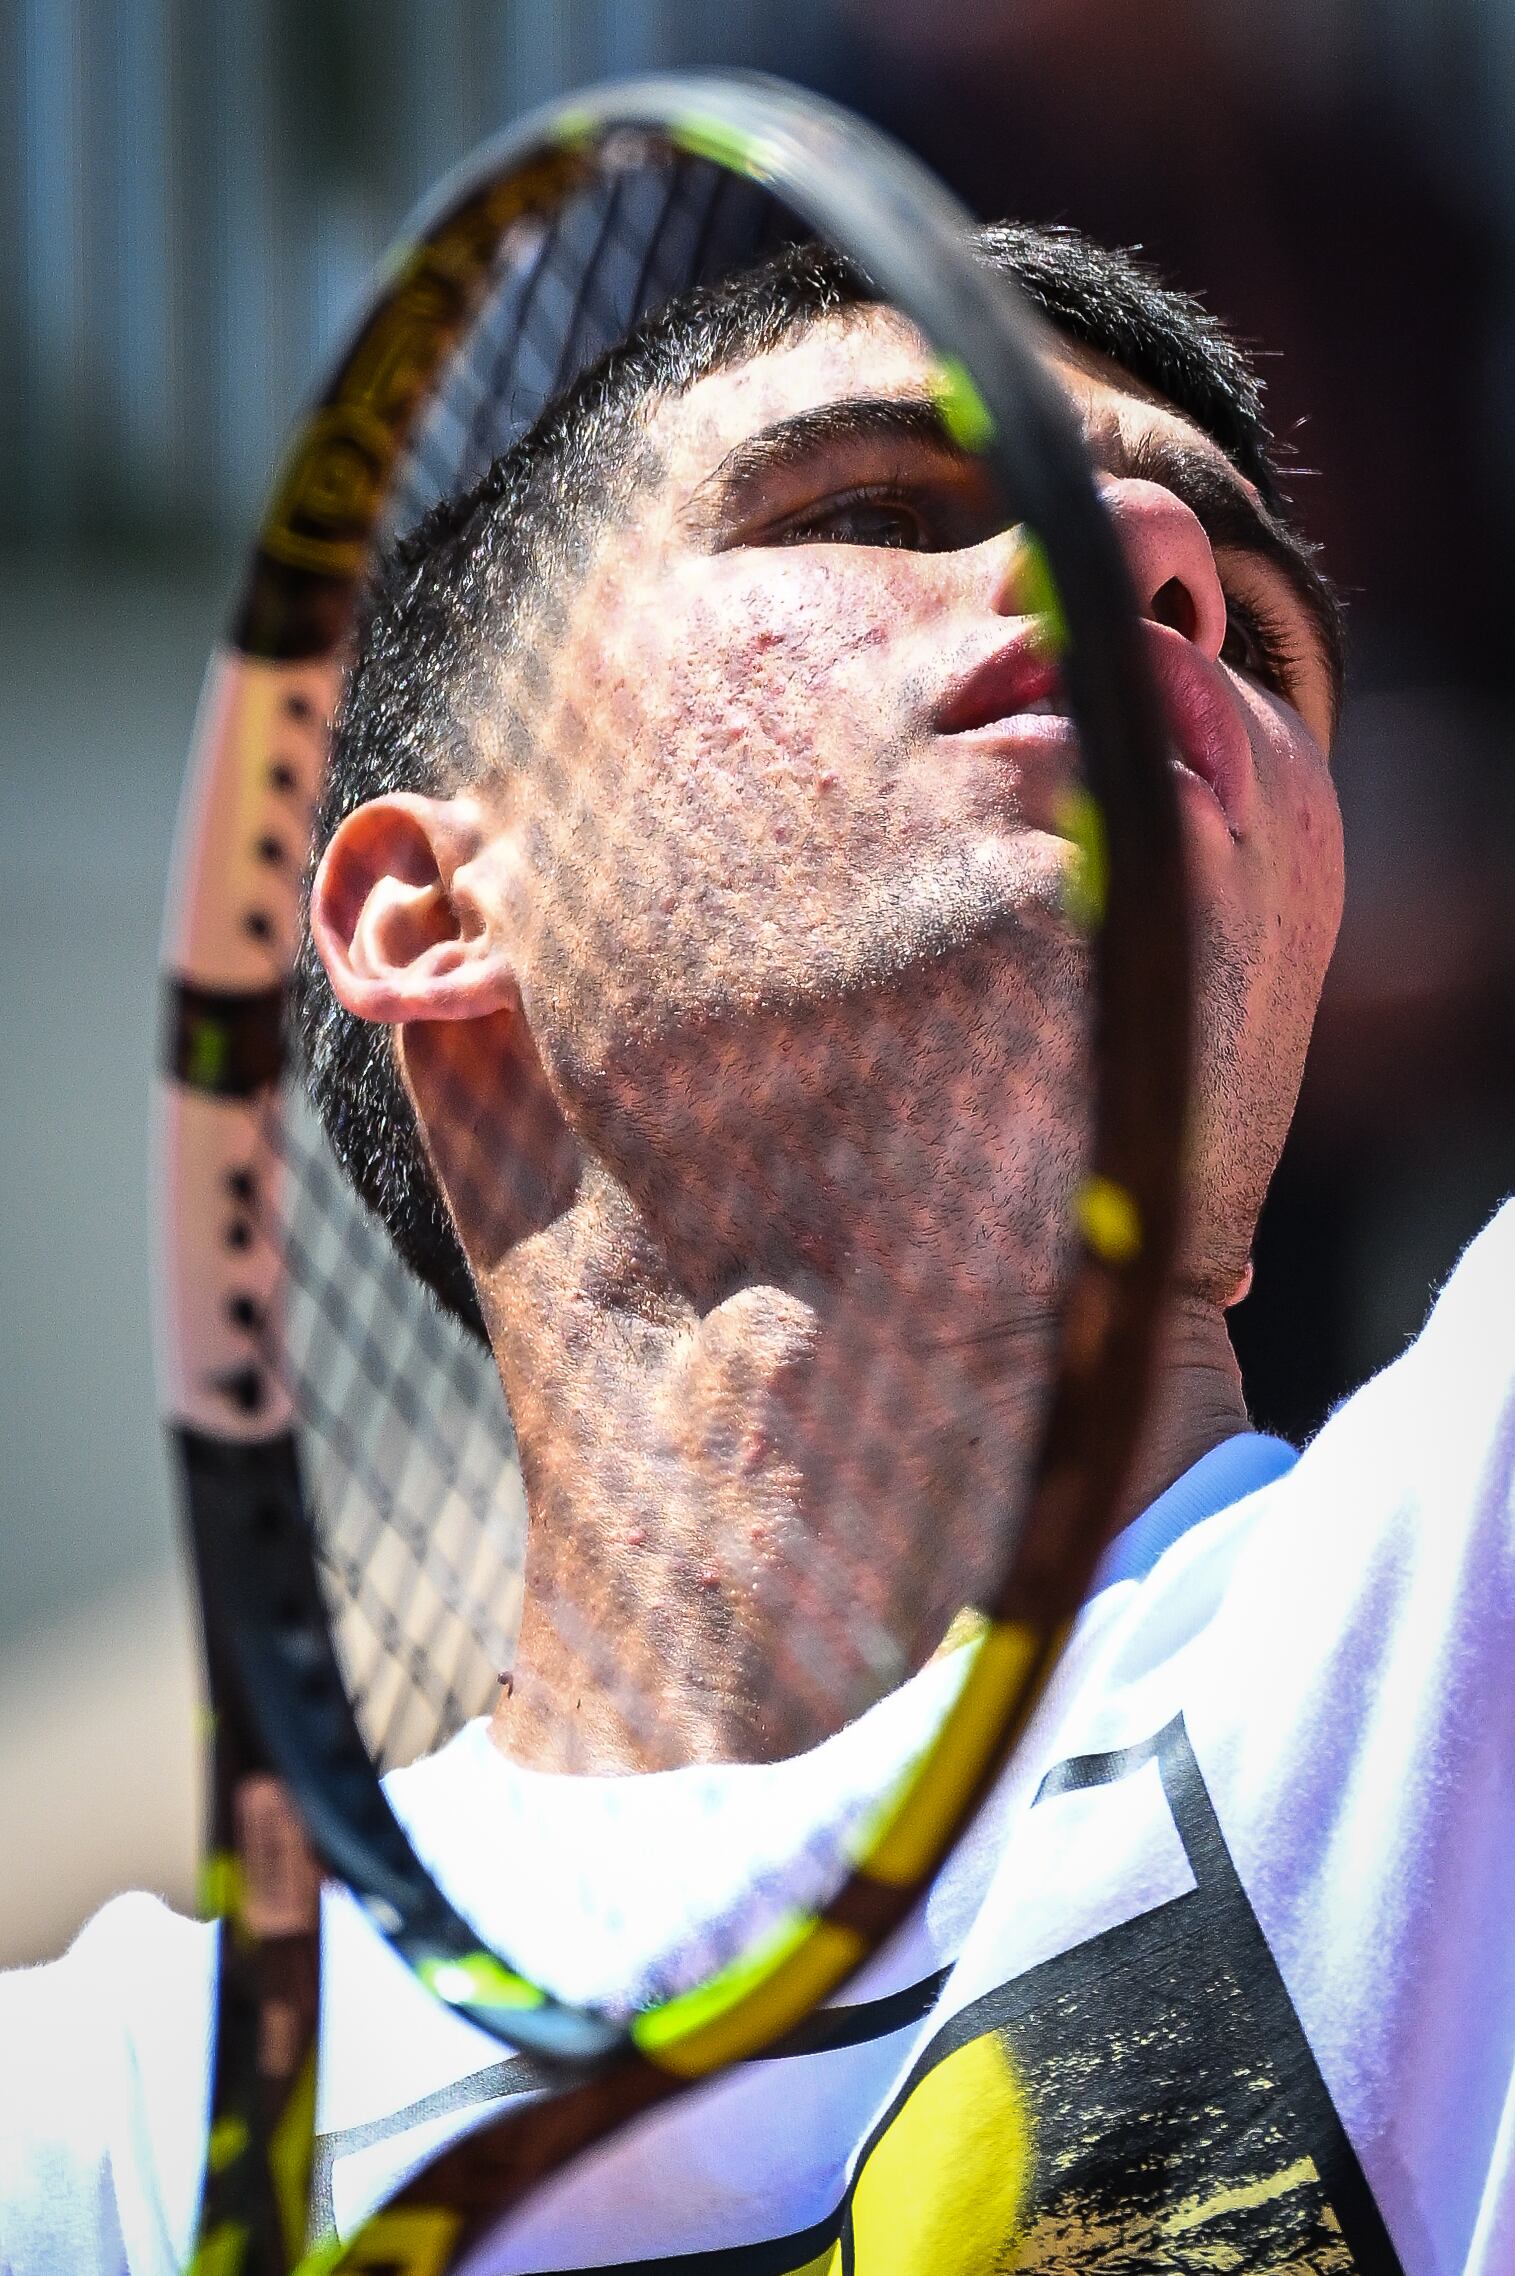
x=332, y=484
x=228, y=2140
x=1109, y=1220
x=760, y=1996
x=223, y=1886
x=289, y=2155
x=209, y=1050
x=326, y=2254
x=415, y=2240
x=905, y=1836
x=222, y=2253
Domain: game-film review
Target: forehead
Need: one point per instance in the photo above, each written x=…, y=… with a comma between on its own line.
x=876, y=352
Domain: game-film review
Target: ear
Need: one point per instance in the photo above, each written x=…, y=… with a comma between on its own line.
x=399, y=916
x=406, y=911
x=1243, y=1288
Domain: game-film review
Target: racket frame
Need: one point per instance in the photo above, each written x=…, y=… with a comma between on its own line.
x=279, y=1705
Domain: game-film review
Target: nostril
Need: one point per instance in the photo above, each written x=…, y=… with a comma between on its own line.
x=1173, y=604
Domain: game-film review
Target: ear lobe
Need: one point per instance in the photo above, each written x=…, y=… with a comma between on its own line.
x=399, y=943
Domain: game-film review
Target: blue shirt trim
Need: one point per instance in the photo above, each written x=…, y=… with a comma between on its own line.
x=1229, y=1472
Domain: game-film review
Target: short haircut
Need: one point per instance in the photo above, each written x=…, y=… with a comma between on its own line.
x=483, y=573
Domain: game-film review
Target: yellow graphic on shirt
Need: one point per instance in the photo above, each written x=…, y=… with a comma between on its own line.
x=943, y=2188
x=1204, y=2235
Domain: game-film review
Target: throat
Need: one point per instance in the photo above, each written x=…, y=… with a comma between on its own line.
x=747, y=1527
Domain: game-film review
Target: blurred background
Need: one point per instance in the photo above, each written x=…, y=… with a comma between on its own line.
x=191, y=193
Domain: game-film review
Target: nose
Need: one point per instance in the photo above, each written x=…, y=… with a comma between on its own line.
x=1171, y=561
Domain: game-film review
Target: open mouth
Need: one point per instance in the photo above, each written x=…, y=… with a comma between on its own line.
x=1018, y=681
x=1015, y=699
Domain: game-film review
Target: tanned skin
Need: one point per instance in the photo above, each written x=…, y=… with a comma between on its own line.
x=742, y=1014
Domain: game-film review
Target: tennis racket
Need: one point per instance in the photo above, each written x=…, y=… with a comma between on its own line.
x=351, y=1476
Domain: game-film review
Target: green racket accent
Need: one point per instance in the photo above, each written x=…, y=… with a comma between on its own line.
x=1040, y=596
x=965, y=415
x=724, y=145
x=478, y=1980
x=209, y=1051
x=1109, y=1220
x=573, y=128
x=753, y=2001
x=1088, y=880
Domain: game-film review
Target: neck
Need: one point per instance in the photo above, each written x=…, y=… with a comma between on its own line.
x=711, y=1574
x=1197, y=1402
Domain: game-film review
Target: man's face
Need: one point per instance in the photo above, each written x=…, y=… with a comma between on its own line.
x=798, y=875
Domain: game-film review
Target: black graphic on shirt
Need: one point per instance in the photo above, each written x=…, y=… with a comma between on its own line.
x=1144, y=2104
x=1172, y=2115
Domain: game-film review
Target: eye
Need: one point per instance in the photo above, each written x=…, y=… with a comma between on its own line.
x=1257, y=645
x=862, y=518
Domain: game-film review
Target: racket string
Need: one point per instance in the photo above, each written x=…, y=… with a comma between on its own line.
x=565, y=292
x=384, y=1392
x=413, y=1465
x=406, y=1418
x=372, y=1545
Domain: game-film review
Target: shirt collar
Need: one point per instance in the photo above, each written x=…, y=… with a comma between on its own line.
x=1229, y=1472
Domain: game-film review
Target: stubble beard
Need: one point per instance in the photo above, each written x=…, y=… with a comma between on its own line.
x=910, y=1093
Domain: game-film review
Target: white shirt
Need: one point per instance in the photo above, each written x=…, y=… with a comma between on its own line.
x=1224, y=1977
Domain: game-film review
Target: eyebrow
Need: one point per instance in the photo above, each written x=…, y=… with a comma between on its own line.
x=1233, y=519
x=737, y=483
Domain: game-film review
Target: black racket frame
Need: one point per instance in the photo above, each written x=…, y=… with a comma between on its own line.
x=277, y=1690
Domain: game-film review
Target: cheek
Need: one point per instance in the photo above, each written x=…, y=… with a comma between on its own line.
x=770, y=690
x=1305, y=837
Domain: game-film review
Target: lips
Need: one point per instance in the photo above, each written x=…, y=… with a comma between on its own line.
x=1209, y=734
x=1009, y=695
x=1018, y=677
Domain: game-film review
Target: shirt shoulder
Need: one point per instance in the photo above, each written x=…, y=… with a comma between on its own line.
x=103, y=2087
x=1468, y=1340
x=1424, y=1452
